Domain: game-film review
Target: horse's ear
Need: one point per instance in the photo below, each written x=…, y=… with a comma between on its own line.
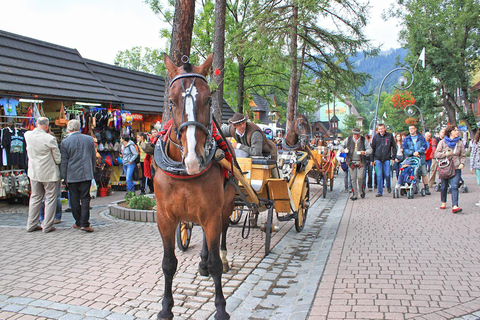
x=206, y=65
x=171, y=67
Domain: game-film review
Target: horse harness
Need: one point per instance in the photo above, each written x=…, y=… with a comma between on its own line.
x=176, y=169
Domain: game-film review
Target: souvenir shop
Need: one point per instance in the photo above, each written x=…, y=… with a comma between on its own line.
x=106, y=123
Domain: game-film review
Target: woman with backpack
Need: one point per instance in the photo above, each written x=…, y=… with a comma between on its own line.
x=129, y=154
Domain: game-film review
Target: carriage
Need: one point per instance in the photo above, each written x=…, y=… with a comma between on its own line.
x=324, y=168
x=262, y=184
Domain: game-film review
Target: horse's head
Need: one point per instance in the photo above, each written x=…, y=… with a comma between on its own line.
x=302, y=129
x=190, y=103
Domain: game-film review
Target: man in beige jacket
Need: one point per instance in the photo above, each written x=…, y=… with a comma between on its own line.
x=44, y=173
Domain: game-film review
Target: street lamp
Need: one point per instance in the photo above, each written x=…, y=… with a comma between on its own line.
x=409, y=111
x=402, y=82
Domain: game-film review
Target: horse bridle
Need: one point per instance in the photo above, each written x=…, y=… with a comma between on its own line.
x=300, y=136
x=194, y=122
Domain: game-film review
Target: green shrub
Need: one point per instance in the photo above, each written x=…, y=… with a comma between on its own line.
x=141, y=202
x=129, y=196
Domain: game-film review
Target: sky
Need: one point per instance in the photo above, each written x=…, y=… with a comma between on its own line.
x=98, y=29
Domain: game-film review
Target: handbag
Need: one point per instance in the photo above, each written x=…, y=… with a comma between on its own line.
x=61, y=121
x=446, y=168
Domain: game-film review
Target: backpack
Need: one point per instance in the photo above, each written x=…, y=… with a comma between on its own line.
x=137, y=159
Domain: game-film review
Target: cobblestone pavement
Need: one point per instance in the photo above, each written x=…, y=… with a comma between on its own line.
x=404, y=259
x=115, y=272
x=378, y=258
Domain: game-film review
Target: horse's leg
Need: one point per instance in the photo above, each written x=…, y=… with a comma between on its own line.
x=215, y=269
x=223, y=250
x=203, y=265
x=169, y=266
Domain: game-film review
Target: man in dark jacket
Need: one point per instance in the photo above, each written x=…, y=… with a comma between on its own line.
x=415, y=145
x=76, y=168
x=384, y=151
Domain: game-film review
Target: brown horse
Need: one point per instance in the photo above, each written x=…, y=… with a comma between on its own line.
x=298, y=134
x=189, y=183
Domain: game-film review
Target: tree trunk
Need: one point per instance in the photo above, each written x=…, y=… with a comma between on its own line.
x=219, y=57
x=293, y=68
x=181, y=42
x=241, y=84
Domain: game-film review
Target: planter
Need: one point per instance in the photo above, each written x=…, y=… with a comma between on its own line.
x=124, y=213
x=102, y=192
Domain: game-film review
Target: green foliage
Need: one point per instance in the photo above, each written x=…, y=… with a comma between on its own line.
x=129, y=196
x=350, y=122
x=142, y=59
x=141, y=202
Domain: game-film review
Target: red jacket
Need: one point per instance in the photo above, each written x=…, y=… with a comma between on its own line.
x=432, y=145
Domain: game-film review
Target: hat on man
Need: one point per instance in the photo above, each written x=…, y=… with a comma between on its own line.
x=237, y=118
x=356, y=131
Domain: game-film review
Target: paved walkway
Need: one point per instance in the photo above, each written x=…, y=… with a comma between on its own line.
x=403, y=259
x=377, y=258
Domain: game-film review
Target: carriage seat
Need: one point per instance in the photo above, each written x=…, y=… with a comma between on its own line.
x=257, y=170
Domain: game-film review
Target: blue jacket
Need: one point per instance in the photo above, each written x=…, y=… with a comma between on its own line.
x=409, y=148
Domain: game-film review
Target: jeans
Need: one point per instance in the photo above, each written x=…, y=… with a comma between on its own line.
x=58, y=211
x=454, y=183
x=383, y=172
x=429, y=164
x=128, y=170
x=396, y=167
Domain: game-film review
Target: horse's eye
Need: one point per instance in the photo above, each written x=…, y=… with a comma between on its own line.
x=170, y=103
x=209, y=101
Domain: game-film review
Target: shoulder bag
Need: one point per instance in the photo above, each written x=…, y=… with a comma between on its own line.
x=446, y=168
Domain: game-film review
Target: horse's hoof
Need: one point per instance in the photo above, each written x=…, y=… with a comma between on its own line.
x=226, y=268
x=225, y=316
x=165, y=315
x=203, y=272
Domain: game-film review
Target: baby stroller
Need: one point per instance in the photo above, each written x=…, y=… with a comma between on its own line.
x=409, y=178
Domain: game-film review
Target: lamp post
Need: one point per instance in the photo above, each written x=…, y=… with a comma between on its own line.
x=409, y=111
x=402, y=82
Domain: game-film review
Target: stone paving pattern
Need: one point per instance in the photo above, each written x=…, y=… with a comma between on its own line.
x=378, y=258
x=403, y=259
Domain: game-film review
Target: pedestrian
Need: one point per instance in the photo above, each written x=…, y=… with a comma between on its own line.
x=129, y=154
x=384, y=151
x=452, y=147
x=43, y=160
x=77, y=168
x=356, y=147
x=399, y=156
x=143, y=144
x=415, y=145
x=368, y=173
x=430, y=151
x=475, y=158
x=433, y=170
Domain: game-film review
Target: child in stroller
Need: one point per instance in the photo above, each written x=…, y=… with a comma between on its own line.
x=408, y=178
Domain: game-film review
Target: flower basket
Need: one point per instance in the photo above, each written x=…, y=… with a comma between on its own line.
x=410, y=121
x=402, y=99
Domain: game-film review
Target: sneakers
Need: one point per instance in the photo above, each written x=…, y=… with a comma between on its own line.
x=87, y=229
x=457, y=210
x=389, y=190
x=378, y=195
x=477, y=204
x=68, y=210
x=353, y=198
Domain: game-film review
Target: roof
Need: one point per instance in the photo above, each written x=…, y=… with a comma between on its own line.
x=40, y=68
x=227, y=112
x=138, y=91
x=262, y=106
x=334, y=119
x=33, y=67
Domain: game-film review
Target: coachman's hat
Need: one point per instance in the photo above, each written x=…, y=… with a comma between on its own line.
x=237, y=118
x=356, y=131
